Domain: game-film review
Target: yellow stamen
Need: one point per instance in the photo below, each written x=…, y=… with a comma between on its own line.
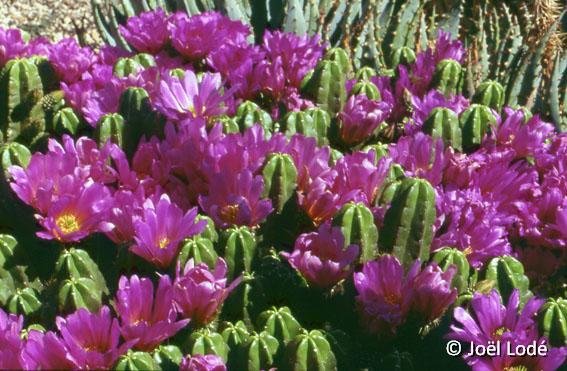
x=67, y=223
x=499, y=332
x=163, y=242
x=229, y=213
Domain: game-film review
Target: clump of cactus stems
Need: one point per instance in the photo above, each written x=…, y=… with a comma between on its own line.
x=309, y=187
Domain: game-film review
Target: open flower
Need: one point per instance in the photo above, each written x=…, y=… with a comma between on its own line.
x=199, y=293
x=136, y=31
x=490, y=320
x=92, y=339
x=144, y=318
x=46, y=351
x=161, y=229
x=11, y=44
x=197, y=36
x=380, y=294
x=70, y=60
x=360, y=117
x=321, y=256
x=387, y=297
x=73, y=217
x=188, y=98
x=236, y=200
x=430, y=292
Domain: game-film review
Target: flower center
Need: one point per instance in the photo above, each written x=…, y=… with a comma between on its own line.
x=67, y=223
x=229, y=213
x=468, y=251
x=392, y=299
x=499, y=332
x=163, y=242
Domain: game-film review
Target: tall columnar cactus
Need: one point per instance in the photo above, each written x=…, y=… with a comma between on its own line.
x=280, y=179
x=476, y=121
x=507, y=274
x=490, y=93
x=327, y=86
x=553, y=321
x=340, y=56
x=205, y=341
x=280, y=323
x=444, y=123
x=447, y=257
x=358, y=228
x=448, y=77
x=249, y=114
x=258, y=352
x=21, y=115
x=408, y=223
x=310, y=351
x=239, y=245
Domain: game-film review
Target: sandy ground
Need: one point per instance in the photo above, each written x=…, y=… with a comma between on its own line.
x=54, y=19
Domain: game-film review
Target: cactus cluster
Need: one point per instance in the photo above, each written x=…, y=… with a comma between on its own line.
x=517, y=43
x=325, y=185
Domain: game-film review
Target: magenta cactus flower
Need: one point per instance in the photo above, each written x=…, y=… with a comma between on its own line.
x=144, y=318
x=236, y=64
x=321, y=256
x=235, y=199
x=472, y=224
x=92, y=339
x=73, y=217
x=160, y=230
x=189, y=98
x=70, y=60
x=10, y=341
x=198, y=362
x=103, y=101
x=380, y=300
x=197, y=36
x=420, y=156
x=319, y=202
x=148, y=32
x=46, y=351
x=359, y=177
x=198, y=293
x=296, y=54
x=11, y=44
x=360, y=117
x=431, y=292
x=310, y=160
x=490, y=320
